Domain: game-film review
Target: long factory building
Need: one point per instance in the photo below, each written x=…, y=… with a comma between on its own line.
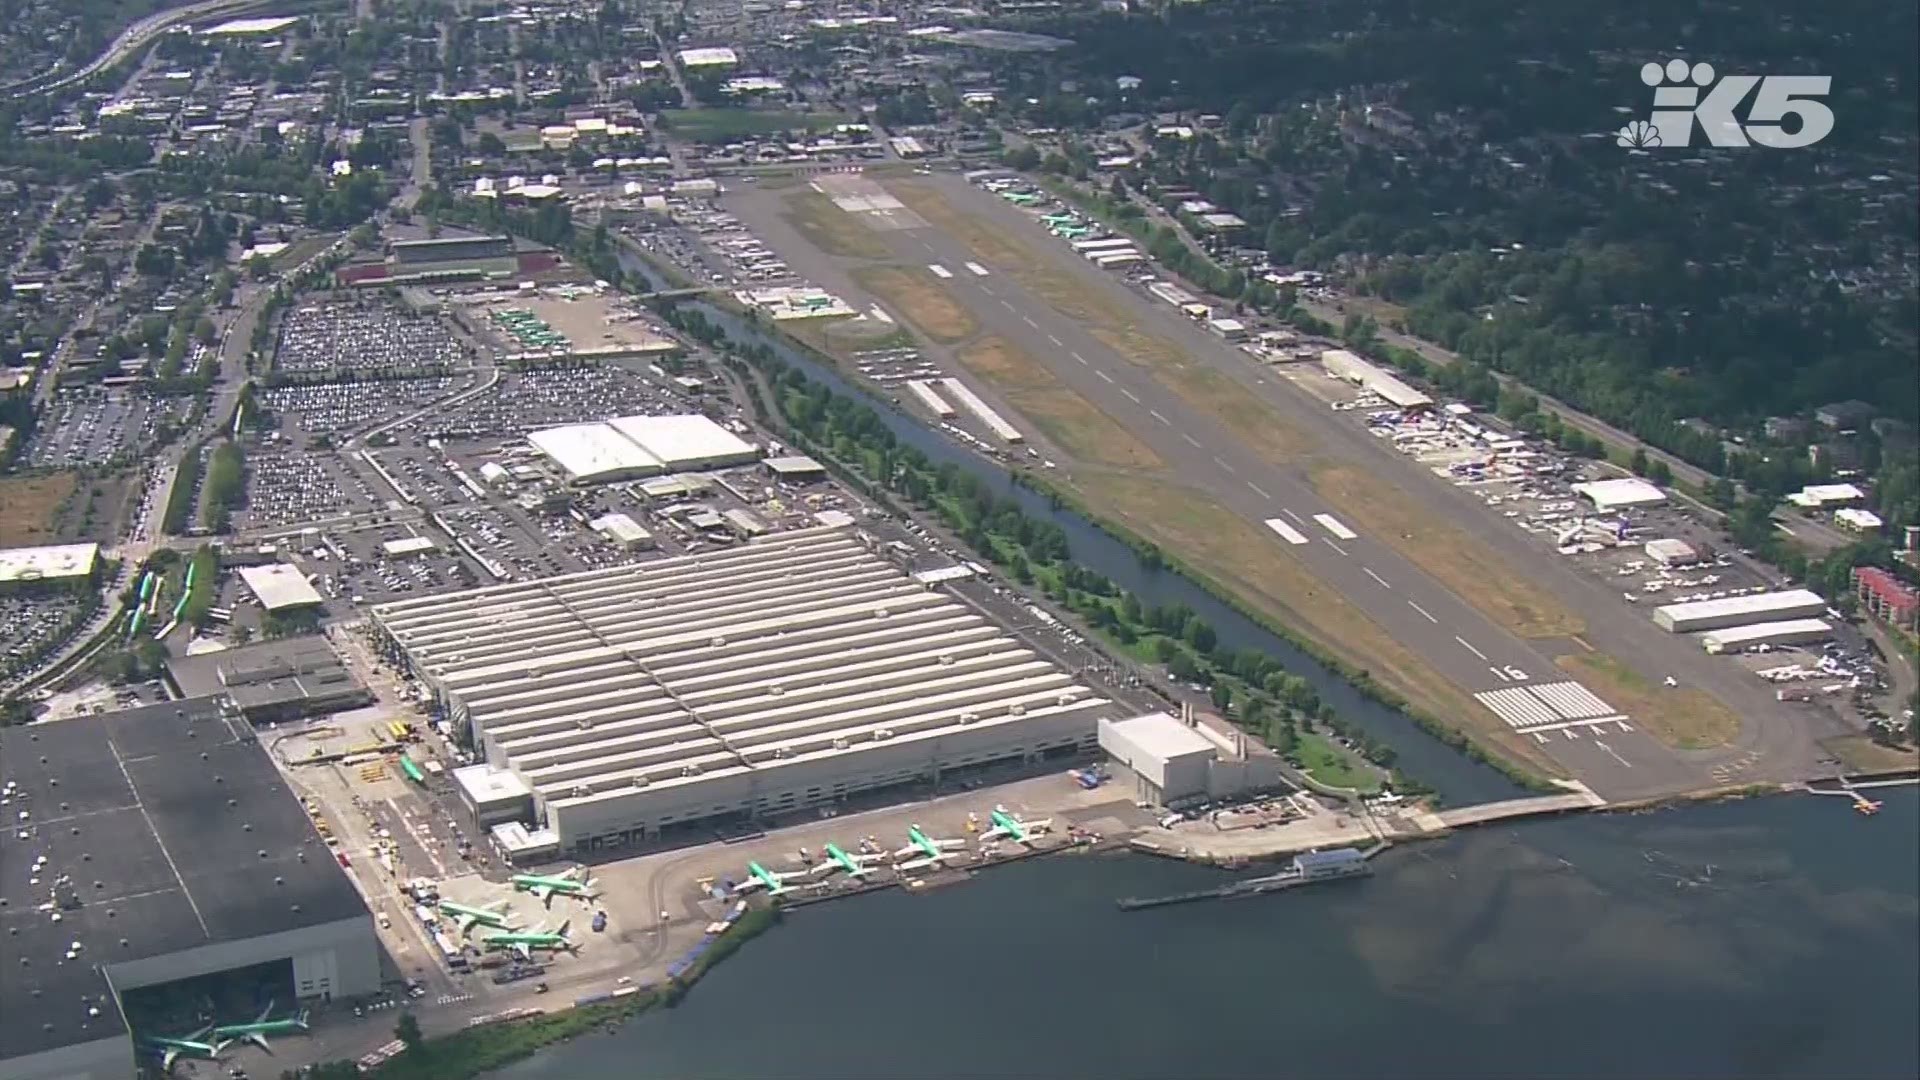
x=794, y=671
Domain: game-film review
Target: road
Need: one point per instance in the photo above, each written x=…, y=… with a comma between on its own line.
x=1449, y=633
x=131, y=40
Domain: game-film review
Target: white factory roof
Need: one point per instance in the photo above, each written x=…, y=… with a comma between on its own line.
x=409, y=545
x=588, y=452
x=1621, y=492
x=50, y=563
x=1853, y=517
x=1753, y=604
x=685, y=442
x=279, y=586
x=485, y=784
x=796, y=647
x=1163, y=736
x=237, y=27
x=1826, y=495
x=621, y=528
x=708, y=57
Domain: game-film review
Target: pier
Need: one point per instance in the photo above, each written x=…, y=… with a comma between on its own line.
x=1337, y=865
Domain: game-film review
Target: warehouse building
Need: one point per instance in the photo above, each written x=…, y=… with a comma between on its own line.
x=272, y=681
x=28, y=568
x=1622, y=493
x=145, y=847
x=1769, y=634
x=789, y=672
x=1738, y=611
x=1174, y=760
x=280, y=587
x=629, y=447
x=1342, y=364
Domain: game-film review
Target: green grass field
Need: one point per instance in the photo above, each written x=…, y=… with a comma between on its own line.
x=716, y=125
x=1325, y=761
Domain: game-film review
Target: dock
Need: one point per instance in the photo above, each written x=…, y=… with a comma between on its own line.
x=1339, y=865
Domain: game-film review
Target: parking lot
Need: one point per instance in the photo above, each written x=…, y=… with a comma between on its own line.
x=366, y=333
x=90, y=426
x=527, y=400
x=31, y=625
x=715, y=246
x=337, y=409
x=292, y=487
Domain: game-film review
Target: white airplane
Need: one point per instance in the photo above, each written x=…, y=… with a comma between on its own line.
x=774, y=881
x=928, y=851
x=1013, y=828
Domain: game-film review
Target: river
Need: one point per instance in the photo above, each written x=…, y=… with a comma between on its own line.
x=1768, y=937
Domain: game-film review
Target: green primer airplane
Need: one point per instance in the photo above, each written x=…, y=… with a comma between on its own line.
x=574, y=882
x=1018, y=198
x=257, y=1032
x=192, y=1044
x=492, y=915
x=838, y=859
x=1011, y=827
x=762, y=878
x=524, y=944
x=930, y=852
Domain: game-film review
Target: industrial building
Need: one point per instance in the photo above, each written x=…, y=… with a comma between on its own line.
x=450, y=249
x=1770, y=634
x=1622, y=493
x=792, y=671
x=1887, y=596
x=272, y=681
x=1342, y=364
x=628, y=447
x=280, y=587
x=55, y=564
x=1175, y=760
x=145, y=847
x=622, y=531
x=1738, y=611
x=1670, y=552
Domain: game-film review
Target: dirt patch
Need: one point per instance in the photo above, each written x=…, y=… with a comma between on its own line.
x=1448, y=554
x=1069, y=421
x=990, y=245
x=30, y=508
x=831, y=229
x=1246, y=560
x=1680, y=717
x=922, y=301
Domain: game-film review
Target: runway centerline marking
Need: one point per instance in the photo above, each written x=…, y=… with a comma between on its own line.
x=1006, y=305
x=1155, y=413
x=1103, y=375
x=1055, y=340
x=1222, y=462
x=1131, y=396
x=1469, y=646
x=1257, y=490
x=1335, y=546
x=1190, y=439
x=1376, y=577
x=1297, y=519
x=1422, y=611
x=1615, y=753
x=1080, y=358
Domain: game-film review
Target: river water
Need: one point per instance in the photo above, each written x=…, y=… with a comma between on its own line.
x=1770, y=937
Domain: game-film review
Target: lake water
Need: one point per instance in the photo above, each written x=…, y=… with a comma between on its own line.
x=1771, y=937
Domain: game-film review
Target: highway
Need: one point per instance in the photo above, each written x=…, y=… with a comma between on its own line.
x=1450, y=634
x=135, y=37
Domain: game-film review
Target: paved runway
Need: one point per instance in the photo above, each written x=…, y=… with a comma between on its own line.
x=1515, y=679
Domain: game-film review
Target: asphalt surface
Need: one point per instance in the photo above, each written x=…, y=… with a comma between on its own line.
x=1613, y=756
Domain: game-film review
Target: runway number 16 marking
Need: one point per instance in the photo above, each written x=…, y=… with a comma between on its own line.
x=1509, y=674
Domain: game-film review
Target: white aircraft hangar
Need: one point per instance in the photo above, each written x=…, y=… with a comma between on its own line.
x=762, y=679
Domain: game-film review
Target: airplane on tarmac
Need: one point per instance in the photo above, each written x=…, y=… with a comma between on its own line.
x=192, y=1044
x=574, y=882
x=930, y=852
x=1069, y=232
x=257, y=1032
x=1020, y=198
x=1011, y=827
x=525, y=943
x=493, y=916
x=775, y=882
x=1060, y=219
x=838, y=859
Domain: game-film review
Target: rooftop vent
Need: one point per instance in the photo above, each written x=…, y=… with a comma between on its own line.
x=1016, y=709
x=969, y=718
x=880, y=613
x=775, y=690
x=840, y=744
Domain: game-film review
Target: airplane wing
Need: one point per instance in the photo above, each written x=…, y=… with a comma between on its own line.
x=748, y=885
x=167, y=1057
x=994, y=833
x=467, y=923
x=916, y=864
x=265, y=1013
x=1041, y=825
x=521, y=948
x=824, y=866
x=950, y=845
x=910, y=849
x=259, y=1040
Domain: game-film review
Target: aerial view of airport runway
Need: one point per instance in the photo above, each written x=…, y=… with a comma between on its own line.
x=1515, y=678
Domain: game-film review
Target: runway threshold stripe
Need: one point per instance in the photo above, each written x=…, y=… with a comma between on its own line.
x=1332, y=524
x=1287, y=532
x=939, y=271
x=978, y=270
